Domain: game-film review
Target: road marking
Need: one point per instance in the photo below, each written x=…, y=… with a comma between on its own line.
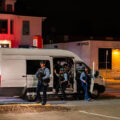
x=95, y=114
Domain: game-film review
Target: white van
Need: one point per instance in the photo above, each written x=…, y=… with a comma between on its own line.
x=19, y=65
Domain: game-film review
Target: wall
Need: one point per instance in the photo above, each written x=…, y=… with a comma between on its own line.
x=111, y=73
x=89, y=53
x=81, y=48
x=17, y=38
x=95, y=45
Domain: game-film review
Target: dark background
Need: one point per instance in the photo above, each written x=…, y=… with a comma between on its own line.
x=72, y=17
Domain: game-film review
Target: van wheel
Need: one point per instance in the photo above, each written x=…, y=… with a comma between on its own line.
x=95, y=94
x=75, y=96
x=31, y=98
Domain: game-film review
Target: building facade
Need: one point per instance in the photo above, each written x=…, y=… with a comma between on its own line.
x=104, y=54
x=16, y=30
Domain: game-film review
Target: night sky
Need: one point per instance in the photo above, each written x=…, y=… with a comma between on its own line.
x=74, y=18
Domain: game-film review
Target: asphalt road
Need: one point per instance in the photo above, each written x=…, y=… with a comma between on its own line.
x=79, y=110
x=107, y=107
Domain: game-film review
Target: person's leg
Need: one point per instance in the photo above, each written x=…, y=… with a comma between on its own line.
x=38, y=92
x=63, y=90
x=44, y=97
x=57, y=87
x=86, y=93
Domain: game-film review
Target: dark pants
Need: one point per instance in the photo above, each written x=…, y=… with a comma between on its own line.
x=56, y=84
x=85, y=87
x=63, y=88
x=43, y=88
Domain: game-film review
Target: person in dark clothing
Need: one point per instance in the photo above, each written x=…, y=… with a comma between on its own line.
x=56, y=86
x=56, y=83
x=43, y=76
x=85, y=83
x=63, y=81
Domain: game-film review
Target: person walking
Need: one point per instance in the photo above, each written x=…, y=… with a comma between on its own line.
x=84, y=77
x=43, y=76
x=63, y=81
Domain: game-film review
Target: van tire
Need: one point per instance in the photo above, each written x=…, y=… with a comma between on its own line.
x=31, y=98
x=95, y=94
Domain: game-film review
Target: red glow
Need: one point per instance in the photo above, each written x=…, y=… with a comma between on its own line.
x=10, y=39
x=39, y=41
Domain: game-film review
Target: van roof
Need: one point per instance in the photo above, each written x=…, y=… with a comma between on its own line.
x=36, y=51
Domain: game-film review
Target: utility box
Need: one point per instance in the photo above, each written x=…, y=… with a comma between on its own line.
x=38, y=41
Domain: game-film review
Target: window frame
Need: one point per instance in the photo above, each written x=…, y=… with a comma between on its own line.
x=102, y=64
x=11, y=26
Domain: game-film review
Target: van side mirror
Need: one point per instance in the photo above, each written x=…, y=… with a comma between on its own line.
x=96, y=74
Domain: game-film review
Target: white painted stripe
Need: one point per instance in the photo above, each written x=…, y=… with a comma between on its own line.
x=95, y=114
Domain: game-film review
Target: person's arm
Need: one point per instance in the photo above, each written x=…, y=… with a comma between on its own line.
x=47, y=74
x=36, y=74
x=65, y=77
x=56, y=73
x=82, y=76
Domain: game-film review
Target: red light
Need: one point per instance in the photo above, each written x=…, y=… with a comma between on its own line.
x=38, y=41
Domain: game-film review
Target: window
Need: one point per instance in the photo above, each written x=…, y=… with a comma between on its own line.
x=9, y=8
x=11, y=27
x=2, y=2
x=3, y=26
x=26, y=27
x=34, y=65
x=105, y=58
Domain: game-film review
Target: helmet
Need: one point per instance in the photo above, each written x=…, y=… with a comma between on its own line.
x=62, y=69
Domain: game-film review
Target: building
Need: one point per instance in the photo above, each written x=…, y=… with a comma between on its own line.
x=104, y=53
x=18, y=30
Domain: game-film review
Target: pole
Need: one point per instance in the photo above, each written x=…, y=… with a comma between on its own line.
x=106, y=63
x=92, y=79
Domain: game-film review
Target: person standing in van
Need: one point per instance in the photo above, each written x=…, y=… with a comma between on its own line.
x=84, y=77
x=43, y=76
x=63, y=81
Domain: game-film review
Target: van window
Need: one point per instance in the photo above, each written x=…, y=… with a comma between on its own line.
x=33, y=65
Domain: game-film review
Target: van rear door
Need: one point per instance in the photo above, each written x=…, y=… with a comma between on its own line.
x=12, y=69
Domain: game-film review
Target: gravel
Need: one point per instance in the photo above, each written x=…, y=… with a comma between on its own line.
x=22, y=108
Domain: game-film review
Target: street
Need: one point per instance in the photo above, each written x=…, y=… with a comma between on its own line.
x=79, y=110
x=106, y=107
